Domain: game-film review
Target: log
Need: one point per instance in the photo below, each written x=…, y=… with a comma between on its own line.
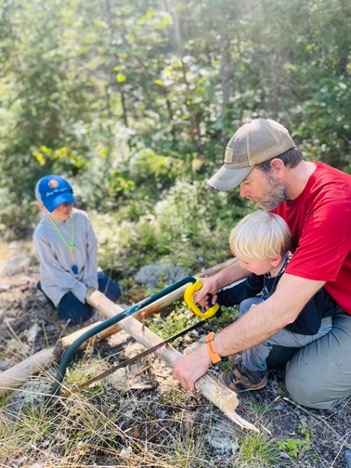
x=217, y=393
x=20, y=373
x=141, y=314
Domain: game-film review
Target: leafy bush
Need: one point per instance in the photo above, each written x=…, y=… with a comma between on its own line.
x=189, y=227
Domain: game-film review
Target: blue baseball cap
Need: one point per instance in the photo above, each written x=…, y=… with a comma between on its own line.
x=51, y=191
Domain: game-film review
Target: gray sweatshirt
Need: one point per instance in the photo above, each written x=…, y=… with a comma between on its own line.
x=56, y=260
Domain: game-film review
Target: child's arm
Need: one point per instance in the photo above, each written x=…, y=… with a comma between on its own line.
x=249, y=287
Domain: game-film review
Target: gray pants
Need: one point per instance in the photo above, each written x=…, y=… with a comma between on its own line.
x=255, y=359
x=319, y=375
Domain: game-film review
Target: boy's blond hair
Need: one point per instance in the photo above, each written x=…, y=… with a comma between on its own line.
x=260, y=235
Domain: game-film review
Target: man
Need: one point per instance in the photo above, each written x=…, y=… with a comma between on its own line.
x=315, y=201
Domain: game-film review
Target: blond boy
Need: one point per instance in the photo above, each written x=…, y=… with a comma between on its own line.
x=261, y=243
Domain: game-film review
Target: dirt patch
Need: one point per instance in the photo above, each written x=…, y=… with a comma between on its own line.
x=154, y=407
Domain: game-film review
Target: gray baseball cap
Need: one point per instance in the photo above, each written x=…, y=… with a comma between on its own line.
x=253, y=143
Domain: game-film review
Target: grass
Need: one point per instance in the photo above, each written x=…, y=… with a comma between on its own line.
x=164, y=427
x=257, y=450
x=81, y=430
x=160, y=425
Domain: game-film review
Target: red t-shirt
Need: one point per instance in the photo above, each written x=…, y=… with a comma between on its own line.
x=320, y=222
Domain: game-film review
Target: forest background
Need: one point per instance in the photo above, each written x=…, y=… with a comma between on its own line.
x=135, y=101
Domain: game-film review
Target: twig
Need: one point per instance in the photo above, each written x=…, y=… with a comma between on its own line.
x=21, y=346
x=319, y=418
x=341, y=447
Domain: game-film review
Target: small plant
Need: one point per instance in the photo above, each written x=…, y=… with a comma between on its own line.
x=257, y=450
x=293, y=446
x=83, y=370
x=174, y=396
x=189, y=451
x=259, y=408
x=226, y=366
x=166, y=326
x=224, y=317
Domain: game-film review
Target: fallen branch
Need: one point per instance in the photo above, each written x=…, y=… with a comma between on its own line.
x=19, y=374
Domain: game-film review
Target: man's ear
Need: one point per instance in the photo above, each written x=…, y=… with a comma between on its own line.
x=277, y=168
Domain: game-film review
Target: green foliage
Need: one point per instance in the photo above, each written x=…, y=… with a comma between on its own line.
x=63, y=160
x=327, y=116
x=224, y=317
x=293, y=446
x=179, y=228
x=257, y=450
x=133, y=100
x=166, y=325
x=155, y=171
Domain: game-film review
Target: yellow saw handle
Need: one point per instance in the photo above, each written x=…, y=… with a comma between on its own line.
x=188, y=297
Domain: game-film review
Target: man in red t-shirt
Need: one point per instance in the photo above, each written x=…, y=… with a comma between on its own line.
x=315, y=201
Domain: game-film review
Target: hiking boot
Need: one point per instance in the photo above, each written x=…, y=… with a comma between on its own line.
x=241, y=379
x=234, y=358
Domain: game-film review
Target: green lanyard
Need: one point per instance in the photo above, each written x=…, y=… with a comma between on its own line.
x=71, y=245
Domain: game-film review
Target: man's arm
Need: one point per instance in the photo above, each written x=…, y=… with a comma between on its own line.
x=253, y=328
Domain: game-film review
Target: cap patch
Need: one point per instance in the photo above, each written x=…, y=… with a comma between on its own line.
x=228, y=157
x=53, y=184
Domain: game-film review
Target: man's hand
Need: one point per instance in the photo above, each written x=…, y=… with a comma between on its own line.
x=190, y=368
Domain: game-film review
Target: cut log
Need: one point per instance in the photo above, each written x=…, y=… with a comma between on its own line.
x=66, y=342
x=218, y=394
x=20, y=373
x=143, y=313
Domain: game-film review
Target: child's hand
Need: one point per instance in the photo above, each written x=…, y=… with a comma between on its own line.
x=89, y=293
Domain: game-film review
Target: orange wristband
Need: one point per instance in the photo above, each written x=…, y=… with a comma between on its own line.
x=211, y=348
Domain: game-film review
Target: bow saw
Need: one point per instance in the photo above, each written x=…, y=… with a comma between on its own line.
x=195, y=285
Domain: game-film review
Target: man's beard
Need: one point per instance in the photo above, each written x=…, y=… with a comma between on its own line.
x=277, y=193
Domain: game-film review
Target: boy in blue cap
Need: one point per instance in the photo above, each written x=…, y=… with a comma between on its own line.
x=66, y=248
